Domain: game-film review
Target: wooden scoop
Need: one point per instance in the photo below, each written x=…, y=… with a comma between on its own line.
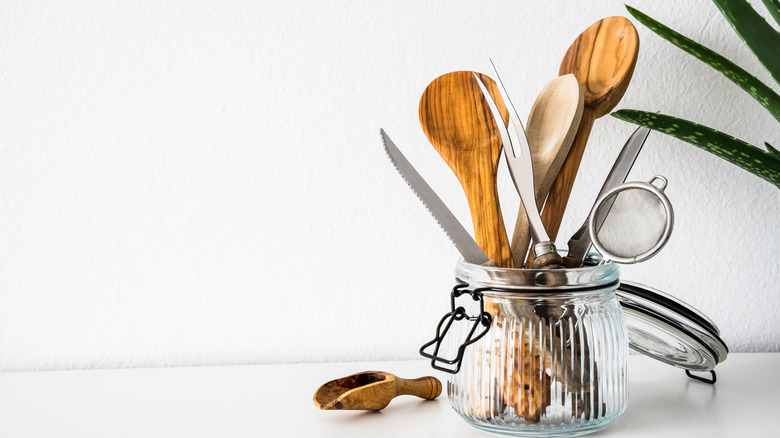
x=458, y=122
x=602, y=59
x=372, y=390
x=550, y=130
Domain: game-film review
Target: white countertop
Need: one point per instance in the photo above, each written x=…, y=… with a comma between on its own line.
x=276, y=400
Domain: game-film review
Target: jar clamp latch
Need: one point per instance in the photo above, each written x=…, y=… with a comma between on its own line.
x=458, y=314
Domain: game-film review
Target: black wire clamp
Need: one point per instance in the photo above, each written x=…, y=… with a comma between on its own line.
x=458, y=314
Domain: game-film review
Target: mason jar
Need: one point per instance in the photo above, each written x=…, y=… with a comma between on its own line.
x=553, y=359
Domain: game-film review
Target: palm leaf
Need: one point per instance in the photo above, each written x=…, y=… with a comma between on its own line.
x=757, y=89
x=774, y=8
x=762, y=39
x=755, y=160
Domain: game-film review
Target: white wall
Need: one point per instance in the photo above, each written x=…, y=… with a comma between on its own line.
x=203, y=182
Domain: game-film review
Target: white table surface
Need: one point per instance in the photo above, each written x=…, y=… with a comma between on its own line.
x=276, y=400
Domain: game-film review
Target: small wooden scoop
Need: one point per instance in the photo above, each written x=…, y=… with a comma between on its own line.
x=372, y=391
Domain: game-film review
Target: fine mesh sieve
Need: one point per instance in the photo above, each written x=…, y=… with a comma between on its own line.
x=638, y=221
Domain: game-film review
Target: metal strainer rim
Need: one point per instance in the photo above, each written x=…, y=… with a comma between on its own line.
x=664, y=238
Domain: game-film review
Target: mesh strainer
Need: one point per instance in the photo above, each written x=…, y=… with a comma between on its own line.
x=638, y=221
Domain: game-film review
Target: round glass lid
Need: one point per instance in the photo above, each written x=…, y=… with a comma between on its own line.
x=670, y=330
x=633, y=289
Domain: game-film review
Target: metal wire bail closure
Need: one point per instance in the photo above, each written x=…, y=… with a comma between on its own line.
x=713, y=377
x=457, y=314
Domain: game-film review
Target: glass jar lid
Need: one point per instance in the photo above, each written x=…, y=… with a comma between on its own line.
x=670, y=330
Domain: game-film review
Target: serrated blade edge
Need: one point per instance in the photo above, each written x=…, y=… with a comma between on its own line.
x=463, y=241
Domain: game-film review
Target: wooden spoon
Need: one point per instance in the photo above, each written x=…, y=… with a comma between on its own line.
x=372, y=390
x=458, y=122
x=550, y=130
x=602, y=59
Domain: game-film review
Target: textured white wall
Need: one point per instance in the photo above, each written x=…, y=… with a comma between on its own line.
x=202, y=182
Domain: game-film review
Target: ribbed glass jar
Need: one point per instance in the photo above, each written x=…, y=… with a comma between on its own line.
x=554, y=362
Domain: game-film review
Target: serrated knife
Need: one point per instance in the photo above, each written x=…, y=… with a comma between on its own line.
x=463, y=241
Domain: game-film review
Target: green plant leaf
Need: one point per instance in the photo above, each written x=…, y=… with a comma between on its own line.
x=762, y=39
x=755, y=160
x=774, y=8
x=775, y=153
x=757, y=89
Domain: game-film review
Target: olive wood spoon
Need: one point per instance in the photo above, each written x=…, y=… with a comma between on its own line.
x=550, y=130
x=372, y=391
x=458, y=122
x=602, y=59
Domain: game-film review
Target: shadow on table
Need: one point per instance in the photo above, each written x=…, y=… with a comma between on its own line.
x=397, y=409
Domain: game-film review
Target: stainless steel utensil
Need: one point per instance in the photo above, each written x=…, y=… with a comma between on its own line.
x=639, y=222
x=580, y=242
x=518, y=156
x=463, y=241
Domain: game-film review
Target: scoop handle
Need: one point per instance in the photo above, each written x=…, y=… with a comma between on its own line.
x=428, y=387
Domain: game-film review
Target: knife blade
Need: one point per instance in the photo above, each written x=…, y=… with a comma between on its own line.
x=580, y=242
x=463, y=241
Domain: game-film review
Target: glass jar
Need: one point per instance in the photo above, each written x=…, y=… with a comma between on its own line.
x=554, y=361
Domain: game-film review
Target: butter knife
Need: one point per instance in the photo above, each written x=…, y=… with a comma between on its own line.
x=463, y=241
x=580, y=242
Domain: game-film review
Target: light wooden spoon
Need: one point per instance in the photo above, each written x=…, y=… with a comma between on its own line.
x=372, y=390
x=550, y=130
x=457, y=121
x=602, y=59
